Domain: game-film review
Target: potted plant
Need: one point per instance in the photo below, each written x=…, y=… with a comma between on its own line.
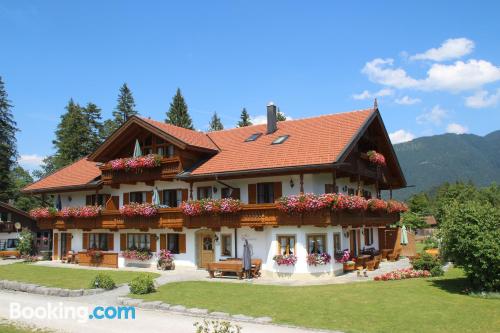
x=165, y=260
x=95, y=255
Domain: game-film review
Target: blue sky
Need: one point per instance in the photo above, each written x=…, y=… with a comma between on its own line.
x=433, y=65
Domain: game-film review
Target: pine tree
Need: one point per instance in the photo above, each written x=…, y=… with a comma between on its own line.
x=215, y=123
x=280, y=116
x=92, y=115
x=8, y=150
x=21, y=178
x=71, y=135
x=108, y=127
x=126, y=106
x=178, y=113
x=245, y=119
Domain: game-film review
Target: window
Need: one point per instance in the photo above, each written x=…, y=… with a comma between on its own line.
x=204, y=192
x=4, y=216
x=367, y=194
x=330, y=189
x=138, y=241
x=226, y=245
x=316, y=244
x=160, y=151
x=228, y=192
x=265, y=192
x=138, y=197
x=173, y=243
x=101, y=199
x=172, y=198
x=12, y=243
x=286, y=245
x=170, y=151
x=98, y=241
x=337, y=246
x=253, y=137
x=350, y=191
x=368, y=236
x=280, y=140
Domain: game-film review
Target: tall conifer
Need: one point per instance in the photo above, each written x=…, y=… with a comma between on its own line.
x=245, y=119
x=215, y=123
x=8, y=150
x=178, y=114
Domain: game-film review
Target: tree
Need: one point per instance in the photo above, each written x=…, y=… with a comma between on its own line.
x=470, y=233
x=178, y=112
x=245, y=119
x=108, y=127
x=280, y=116
x=126, y=106
x=8, y=150
x=420, y=204
x=21, y=178
x=25, y=245
x=412, y=220
x=92, y=115
x=215, y=123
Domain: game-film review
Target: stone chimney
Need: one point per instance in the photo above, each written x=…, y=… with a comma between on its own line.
x=271, y=118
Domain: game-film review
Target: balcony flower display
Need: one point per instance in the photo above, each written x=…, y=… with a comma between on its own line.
x=394, y=206
x=301, y=203
x=377, y=205
x=376, y=158
x=82, y=212
x=210, y=206
x=285, y=259
x=134, y=163
x=136, y=209
x=43, y=212
x=400, y=274
x=352, y=203
x=316, y=259
x=137, y=254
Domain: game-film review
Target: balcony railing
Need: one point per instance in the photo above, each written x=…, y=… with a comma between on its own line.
x=254, y=216
x=167, y=170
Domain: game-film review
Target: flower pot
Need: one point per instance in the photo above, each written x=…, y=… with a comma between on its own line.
x=349, y=268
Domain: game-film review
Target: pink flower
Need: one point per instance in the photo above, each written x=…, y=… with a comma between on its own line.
x=376, y=158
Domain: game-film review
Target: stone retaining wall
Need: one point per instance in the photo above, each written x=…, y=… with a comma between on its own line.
x=48, y=291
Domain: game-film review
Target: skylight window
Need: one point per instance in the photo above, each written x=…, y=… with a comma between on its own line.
x=280, y=139
x=253, y=137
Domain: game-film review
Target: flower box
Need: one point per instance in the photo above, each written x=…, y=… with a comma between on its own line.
x=136, y=163
x=349, y=266
x=137, y=255
x=135, y=209
x=316, y=259
x=285, y=260
x=210, y=206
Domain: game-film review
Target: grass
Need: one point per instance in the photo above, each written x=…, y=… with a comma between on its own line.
x=68, y=278
x=419, y=246
x=10, y=328
x=415, y=305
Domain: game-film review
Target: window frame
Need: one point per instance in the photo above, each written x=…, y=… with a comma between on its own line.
x=204, y=188
x=368, y=235
x=143, y=196
x=280, y=140
x=315, y=238
x=147, y=241
x=271, y=187
x=99, y=240
x=178, y=197
x=288, y=237
x=176, y=248
x=253, y=137
x=223, y=240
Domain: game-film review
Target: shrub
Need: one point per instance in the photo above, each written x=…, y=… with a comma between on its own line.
x=103, y=281
x=25, y=245
x=215, y=326
x=470, y=233
x=429, y=263
x=431, y=243
x=141, y=285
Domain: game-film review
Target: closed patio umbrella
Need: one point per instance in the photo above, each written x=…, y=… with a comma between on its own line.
x=404, y=236
x=247, y=258
x=156, y=197
x=137, y=149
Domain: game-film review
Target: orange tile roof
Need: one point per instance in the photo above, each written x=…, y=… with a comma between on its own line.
x=312, y=141
x=80, y=173
x=190, y=137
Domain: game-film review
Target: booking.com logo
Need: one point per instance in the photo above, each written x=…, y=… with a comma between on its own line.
x=81, y=314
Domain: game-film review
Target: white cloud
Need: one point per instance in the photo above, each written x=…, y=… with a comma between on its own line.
x=456, y=128
x=258, y=120
x=455, y=77
x=483, y=99
x=435, y=116
x=32, y=161
x=380, y=71
x=401, y=136
x=369, y=95
x=452, y=48
x=407, y=100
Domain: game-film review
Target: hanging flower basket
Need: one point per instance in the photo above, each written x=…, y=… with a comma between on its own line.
x=376, y=158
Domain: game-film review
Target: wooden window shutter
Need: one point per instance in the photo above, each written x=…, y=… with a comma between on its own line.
x=149, y=196
x=163, y=242
x=88, y=200
x=126, y=198
x=55, y=256
x=111, y=242
x=152, y=242
x=277, y=190
x=182, y=243
x=252, y=193
x=235, y=194
x=85, y=241
x=123, y=242
x=184, y=194
x=68, y=242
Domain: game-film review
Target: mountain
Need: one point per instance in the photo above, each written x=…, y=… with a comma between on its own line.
x=427, y=162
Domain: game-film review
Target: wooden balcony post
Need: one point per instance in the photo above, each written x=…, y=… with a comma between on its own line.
x=301, y=183
x=334, y=180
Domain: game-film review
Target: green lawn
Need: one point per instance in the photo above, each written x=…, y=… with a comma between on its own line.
x=9, y=328
x=69, y=278
x=416, y=305
x=419, y=246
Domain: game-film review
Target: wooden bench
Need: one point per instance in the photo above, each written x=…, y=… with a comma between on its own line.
x=9, y=253
x=233, y=266
x=394, y=256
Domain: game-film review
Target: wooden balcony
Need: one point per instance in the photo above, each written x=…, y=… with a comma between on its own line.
x=254, y=216
x=166, y=171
